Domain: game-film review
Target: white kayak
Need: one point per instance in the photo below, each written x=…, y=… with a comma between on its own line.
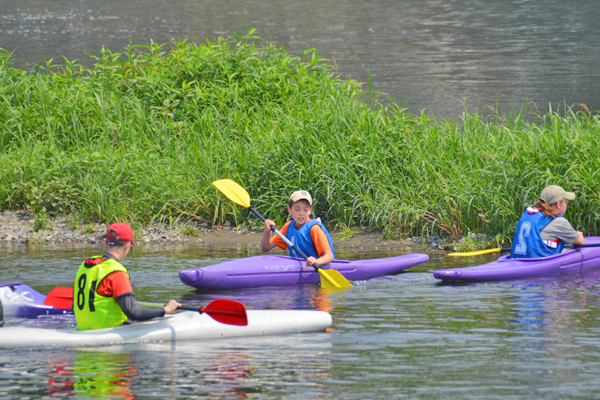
x=185, y=325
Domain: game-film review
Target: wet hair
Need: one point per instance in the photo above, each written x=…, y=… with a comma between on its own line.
x=546, y=209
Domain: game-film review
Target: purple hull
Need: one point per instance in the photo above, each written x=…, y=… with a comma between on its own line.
x=573, y=260
x=271, y=270
x=21, y=301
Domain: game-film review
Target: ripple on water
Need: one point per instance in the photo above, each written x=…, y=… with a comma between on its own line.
x=397, y=336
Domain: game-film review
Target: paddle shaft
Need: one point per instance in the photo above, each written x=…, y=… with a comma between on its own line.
x=324, y=274
x=276, y=231
x=225, y=311
x=148, y=304
x=505, y=249
x=329, y=278
x=576, y=246
x=202, y=310
x=68, y=297
x=317, y=268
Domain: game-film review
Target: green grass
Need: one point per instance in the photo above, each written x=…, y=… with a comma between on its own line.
x=42, y=222
x=141, y=135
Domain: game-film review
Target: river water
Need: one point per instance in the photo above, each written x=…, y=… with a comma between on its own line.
x=401, y=336
x=430, y=55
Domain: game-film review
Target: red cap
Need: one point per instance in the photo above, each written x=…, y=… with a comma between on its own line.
x=119, y=232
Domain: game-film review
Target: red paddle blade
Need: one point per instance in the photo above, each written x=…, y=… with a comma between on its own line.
x=60, y=297
x=227, y=312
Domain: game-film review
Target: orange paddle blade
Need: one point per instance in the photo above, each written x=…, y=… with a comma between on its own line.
x=227, y=312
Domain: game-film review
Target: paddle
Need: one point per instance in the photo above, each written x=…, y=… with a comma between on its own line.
x=226, y=311
x=330, y=278
x=479, y=252
x=505, y=249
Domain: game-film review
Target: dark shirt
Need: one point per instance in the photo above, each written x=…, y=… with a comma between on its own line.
x=131, y=308
x=135, y=312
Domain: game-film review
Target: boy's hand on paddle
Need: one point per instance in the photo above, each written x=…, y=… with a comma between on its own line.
x=171, y=307
x=311, y=261
x=269, y=224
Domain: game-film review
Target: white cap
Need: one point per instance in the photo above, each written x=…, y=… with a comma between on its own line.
x=301, y=195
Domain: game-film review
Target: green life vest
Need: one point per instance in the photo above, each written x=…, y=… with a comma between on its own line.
x=91, y=310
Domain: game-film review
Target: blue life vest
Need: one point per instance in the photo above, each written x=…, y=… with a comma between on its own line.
x=528, y=242
x=301, y=238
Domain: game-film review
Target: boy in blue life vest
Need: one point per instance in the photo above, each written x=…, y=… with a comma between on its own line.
x=309, y=235
x=102, y=294
x=542, y=230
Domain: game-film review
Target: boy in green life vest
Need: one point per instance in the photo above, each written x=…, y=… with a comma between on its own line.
x=102, y=295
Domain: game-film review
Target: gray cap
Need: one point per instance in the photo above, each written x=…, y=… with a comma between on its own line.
x=553, y=194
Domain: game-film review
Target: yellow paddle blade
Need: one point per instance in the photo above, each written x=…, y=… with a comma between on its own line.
x=475, y=253
x=332, y=279
x=233, y=191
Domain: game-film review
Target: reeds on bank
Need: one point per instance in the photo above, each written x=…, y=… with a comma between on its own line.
x=141, y=135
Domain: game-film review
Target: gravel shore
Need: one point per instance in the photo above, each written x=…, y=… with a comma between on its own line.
x=19, y=227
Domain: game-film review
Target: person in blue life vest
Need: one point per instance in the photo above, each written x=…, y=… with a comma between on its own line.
x=102, y=294
x=542, y=230
x=309, y=235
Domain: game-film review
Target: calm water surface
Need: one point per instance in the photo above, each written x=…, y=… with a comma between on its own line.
x=402, y=336
x=429, y=54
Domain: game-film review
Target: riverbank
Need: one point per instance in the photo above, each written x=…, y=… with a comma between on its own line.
x=142, y=135
x=19, y=228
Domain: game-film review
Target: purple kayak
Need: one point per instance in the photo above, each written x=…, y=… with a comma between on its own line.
x=273, y=270
x=572, y=260
x=21, y=301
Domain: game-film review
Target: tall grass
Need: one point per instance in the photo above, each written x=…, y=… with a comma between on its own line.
x=142, y=134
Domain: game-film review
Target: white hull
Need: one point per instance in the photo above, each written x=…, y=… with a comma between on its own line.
x=181, y=326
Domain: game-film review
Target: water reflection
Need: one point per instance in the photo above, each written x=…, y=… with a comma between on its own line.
x=94, y=375
x=227, y=369
x=529, y=308
x=238, y=367
x=291, y=297
x=548, y=314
